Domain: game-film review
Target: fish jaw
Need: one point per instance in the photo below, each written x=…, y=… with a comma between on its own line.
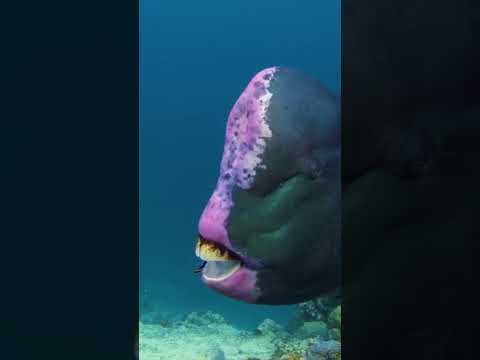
x=240, y=285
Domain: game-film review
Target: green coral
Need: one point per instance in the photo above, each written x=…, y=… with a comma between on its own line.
x=334, y=319
x=311, y=329
x=315, y=310
x=268, y=327
x=335, y=334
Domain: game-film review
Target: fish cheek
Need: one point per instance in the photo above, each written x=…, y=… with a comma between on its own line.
x=275, y=249
x=263, y=227
x=261, y=235
x=312, y=267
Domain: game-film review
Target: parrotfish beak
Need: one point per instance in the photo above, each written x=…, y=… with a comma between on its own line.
x=224, y=270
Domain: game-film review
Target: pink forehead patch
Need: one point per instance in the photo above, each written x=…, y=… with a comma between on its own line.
x=247, y=129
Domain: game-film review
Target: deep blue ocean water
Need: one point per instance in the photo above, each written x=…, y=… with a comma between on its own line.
x=196, y=57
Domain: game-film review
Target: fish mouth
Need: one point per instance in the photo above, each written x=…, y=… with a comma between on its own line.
x=220, y=263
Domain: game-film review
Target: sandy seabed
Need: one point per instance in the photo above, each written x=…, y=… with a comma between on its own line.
x=207, y=342
x=210, y=337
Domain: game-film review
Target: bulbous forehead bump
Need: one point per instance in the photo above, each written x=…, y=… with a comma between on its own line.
x=303, y=118
x=245, y=141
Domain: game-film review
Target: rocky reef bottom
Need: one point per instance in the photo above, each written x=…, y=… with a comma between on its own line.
x=313, y=334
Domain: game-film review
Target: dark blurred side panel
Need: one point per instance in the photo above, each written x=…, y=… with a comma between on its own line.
x=69, y=180
x=410, y=155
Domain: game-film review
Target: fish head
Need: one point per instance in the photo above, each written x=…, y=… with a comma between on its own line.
x=270, y=232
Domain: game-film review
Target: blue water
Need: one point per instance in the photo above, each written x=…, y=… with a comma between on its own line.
x=195, y=59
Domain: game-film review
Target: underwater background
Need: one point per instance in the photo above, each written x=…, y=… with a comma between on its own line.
x=195, y=60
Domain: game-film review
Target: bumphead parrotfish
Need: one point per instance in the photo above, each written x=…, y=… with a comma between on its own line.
x=270, y=233
x=409, y=175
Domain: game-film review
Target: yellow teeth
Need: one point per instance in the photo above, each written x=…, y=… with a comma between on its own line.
x=209, y=251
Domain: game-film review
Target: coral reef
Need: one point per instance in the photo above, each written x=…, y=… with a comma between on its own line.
x=270, y=328
x=319, y=309
x=308, y=349
x=335, y=317
x=291, y=350
x=209, y=336
x=314, y=310
x=318, y=318
x=311, y=329
x=335, y=334
x=324, y=350
x=315, y=330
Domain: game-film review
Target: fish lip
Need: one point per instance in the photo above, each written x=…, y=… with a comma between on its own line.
x=240, y=284
x=224, y=277
x=246, y=261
